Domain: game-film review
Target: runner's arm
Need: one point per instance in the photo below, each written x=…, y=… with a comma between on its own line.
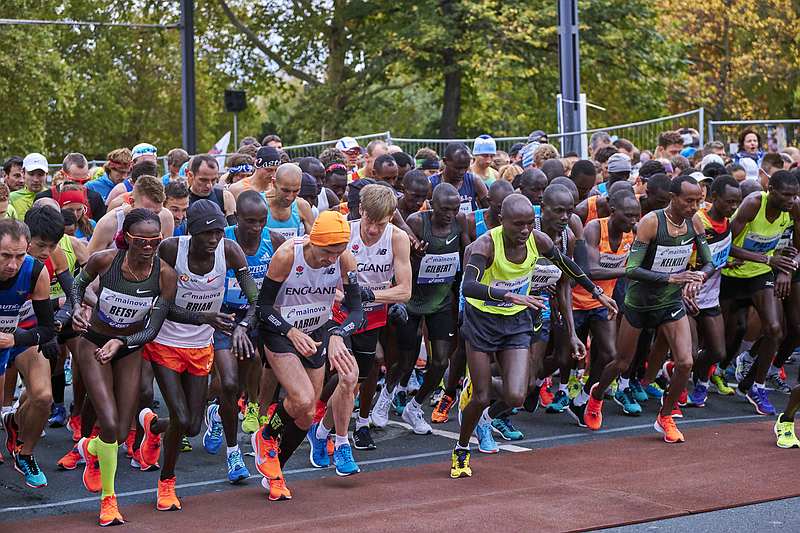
x=279, y=268
x=400, y=292
x=481, y=253
x=703, y=251
x=44, y=329
x=594, y=269
x=65, y=279
x=352, y=298
x=168, y=281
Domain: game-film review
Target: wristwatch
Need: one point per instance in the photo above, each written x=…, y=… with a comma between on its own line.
x=598, y=291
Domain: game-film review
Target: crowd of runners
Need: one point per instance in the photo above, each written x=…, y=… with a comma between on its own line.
x=315, y=298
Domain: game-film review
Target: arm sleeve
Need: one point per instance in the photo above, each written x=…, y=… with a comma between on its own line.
x=570, y=268
x=42, y=332
x=352, y=301
x=79, y=287
x=250, y=290
x=271, y=319
x=634, y=269
x=180, y=314
x=704, y=255
x=580, y=255
x=157, y=316
x=470, y=285
x=66, y=281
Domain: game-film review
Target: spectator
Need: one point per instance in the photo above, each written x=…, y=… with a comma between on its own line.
x=75, y=170
x=670, y=143
x=272, y=140
x=749, y=147
x=483, y=151
x=598, y=140
x=12, y=167
x=175, y=160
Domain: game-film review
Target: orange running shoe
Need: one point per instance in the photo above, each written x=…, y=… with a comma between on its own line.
x=109, y=512
x=129, y=443
x=74, y=425
x=91, y=471
x=319, y=412
x=138, y=463
x=242, y=403
x=151, y=443
x=266, y=451
x=545, y=396
x=676, y=410
x=683, y=399
x=593, y=416
x=666, y=426
x=277, y=489
x=71, y=460
x=441, y=413
x=330, y=448
x=167, y=499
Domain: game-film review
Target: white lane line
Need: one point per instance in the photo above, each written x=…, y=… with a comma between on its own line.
x=578, y=436
x=440, y=432
x=514, y=448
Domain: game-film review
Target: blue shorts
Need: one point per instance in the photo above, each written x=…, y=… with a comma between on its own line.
x=541, y=329
x=8, y=355
x=582, y=317
x=222, y=341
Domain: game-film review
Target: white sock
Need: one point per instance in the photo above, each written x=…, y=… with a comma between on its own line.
x=624, y=383
x=413, y=404
x=460, y=447
x=231, y=450
x=562, y=387
x=581, y=398
x=341, y=440
x=485, y=418
x=322, y=431
x=362, y=422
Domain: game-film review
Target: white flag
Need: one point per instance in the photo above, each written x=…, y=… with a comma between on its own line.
x=221, y=148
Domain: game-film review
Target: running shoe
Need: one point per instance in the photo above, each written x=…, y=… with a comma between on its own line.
x=577, y=412
x=250, y=423
x=71, y=460
x=399, y=402
x=68, y=371
x=362, y=439
x=573, y=386
x=212, y=438
x=531, y=401
x=683, y=398
x=625, y=399
x=130, y=442
x=436, y=396
x=74, y=425
x=465, y=396
x=486, y=442
x=413, y=384
x=503, y=427
x=185, y=446
x=138, y=463
x=27, y=466
x=784, y=431
x=638, y=391
x=415, y=418
x=593, y=416
x=560, y=402
x=151, y=442
x=237, y=471
x=318, y=454
x=109, y=512
x=653, y=390
x=344, y=461
x=441, y=412
x=460, y=466
x=91, y=468
x=545, y=396
x=743, y=363
x=777, y=382
x=266, y=455
x=276, y=489
x=760, y=400
x=720, y=386
x=666, y=426
x=167, y=499
x=676, y=410
x=58, y=416
x=12, y=431
x=379, y=416
x=698, y=396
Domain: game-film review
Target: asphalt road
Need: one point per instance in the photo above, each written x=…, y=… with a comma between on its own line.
x=199, y=472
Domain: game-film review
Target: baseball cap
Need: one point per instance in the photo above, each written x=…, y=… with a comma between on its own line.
x=537, y=136
x=329, y=229
x=700, y=177
x=484, y=145
x=619, y=162
x=750, y=168
x=204, y=215
x=308, y=185
x=689, y=151
x=34, y=161
x=712, y=158
x=345, y=144
x=143, y=149
x=268, y=156
x=429, y=164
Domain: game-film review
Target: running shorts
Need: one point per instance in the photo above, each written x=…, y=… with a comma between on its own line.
x=364, y=345
x=652, y=318
x=441, y=327
x=8, y=355
x=280, y=344
x=194, y=361
x=742, y=289
x=99, y=340
x=582, y=317
x=489, y=333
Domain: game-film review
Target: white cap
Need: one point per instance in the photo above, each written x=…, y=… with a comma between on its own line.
x=700, y=177
x=143, y=149
x=711, y=158
x=347, y=143
x=484, y=145
x=750, y=168
x=35, y=161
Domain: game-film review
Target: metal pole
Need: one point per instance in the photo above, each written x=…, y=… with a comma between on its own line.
x=701, y=118
x=569, y=71
x=187, y=77
x=235, y=131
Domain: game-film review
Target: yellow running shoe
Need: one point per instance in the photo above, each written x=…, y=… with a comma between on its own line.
x=250, y=423
x=722, y=387
x=460, y=466
x=784, y=431
x=573, y=386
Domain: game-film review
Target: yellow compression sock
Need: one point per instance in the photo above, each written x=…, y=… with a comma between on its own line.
x=107, y=457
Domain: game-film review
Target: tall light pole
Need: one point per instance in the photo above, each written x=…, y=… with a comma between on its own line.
x=569, y=66
x=187, y=77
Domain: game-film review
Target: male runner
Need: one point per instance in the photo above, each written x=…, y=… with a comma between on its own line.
x=659, y=280
x=482, y=220
x=176, y=201
x=417, y=189
x=297, y=336
x=268, y=159
x=473, y=191
x=288, y=214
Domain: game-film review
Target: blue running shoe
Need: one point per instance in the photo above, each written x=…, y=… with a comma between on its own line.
x=58, y=416
x=758, y=397
x=236, y=469
x=698, y=396
x=503, y=427
x=653, y=390
x=625, y=399
x=212, y=438
x=560, y=403
x=399, y=402
x=27, y=466
x=343, y=459
x=638, y=391
x=318, y=455
x=486, y=442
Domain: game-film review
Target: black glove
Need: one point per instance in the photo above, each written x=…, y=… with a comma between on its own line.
x=366, y=294
x=398, y=314
x=50, y=350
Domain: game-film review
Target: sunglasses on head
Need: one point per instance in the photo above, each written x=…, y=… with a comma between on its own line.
x=145, y=150
x=144, y=241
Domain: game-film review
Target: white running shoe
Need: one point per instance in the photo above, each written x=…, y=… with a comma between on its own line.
x=379, y=416
x=415, y=417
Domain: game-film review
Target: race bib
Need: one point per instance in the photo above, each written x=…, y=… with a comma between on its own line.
x=306, y=317
x=544, y=275
x=120, y=310
x=671, y=259
x=613, y=261
x=519, y=286
x=8, y=323
x=287, y=233
x=720, y=251
x=760, y=243
x=372, y=306
x=787, y=238
x=465, y=206
x=439, y=268
x=235, y=295
x=200, y=302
